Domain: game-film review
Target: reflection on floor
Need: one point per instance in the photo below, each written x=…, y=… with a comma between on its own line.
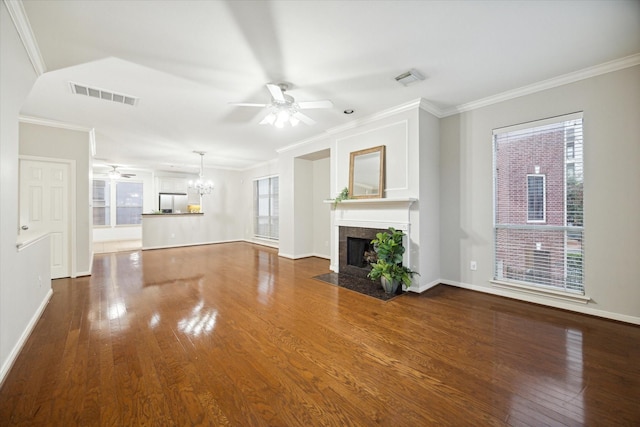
x=117, y=246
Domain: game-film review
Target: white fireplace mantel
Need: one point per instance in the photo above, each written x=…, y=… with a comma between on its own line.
x=408, y=201
x=380, y=213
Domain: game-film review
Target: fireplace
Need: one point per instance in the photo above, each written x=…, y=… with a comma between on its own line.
x=355, y=251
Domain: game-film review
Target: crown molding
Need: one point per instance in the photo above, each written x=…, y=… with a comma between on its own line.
x=21, y=22
x=53, y=124
x=607, y=67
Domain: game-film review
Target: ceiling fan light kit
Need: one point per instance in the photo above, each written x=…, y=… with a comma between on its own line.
x=284, y=109
x=116, y=174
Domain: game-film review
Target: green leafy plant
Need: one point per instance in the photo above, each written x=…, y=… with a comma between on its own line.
x=389, y=248
x=344, y=195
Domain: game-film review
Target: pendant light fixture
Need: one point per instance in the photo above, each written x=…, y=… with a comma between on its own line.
x=200, y=185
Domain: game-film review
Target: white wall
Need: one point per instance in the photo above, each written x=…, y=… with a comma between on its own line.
x=321, y=211
x=47, y=141
x=292, y=244
x=611, y=105
x=22, y=295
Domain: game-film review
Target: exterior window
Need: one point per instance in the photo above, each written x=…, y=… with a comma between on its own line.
x=265, y=199
x=538, y=217
x=571, y=146
x=120, y=207
x=535, y=198
x=128, y=203
x=101, y=202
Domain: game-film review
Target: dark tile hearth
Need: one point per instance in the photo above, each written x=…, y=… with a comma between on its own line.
x=358, y=284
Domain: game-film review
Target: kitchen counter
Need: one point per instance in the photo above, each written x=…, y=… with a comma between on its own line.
x=172, y=230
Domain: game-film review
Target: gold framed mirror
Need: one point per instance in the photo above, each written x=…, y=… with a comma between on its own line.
x=366, y=173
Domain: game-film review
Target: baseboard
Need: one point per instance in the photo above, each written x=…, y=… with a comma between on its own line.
x=419, y=288
x=191, y=244
x=262, y=243
x=551, y=303
x=309, y=255
x=11, y=358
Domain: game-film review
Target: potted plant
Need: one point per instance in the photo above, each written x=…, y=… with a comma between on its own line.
x=388, y=267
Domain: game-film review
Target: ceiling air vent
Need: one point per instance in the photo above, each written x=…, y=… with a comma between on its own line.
x=93, y=92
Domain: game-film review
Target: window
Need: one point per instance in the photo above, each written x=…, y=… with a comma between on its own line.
x=101, y=202
x=128, y=203
x=124, y=204
x=265, y=196
x=538, y=204
x=535, y=198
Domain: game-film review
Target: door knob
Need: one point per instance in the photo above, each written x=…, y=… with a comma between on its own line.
x=25, y=227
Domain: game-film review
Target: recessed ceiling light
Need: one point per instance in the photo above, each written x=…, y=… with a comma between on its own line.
x=348, y=111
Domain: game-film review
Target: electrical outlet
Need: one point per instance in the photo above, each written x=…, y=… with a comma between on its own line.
x=473, y=265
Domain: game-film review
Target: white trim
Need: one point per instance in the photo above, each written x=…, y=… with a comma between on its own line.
x=275, y=175
x=54, y=124
x=21, y=22
x=564, y=305
x=596, y=70
x=365, y=223
x=540, y=291
x=407, y=106
x=418, y=288
x=26, y=240
x=15, y=351
x=307, y=255
x=191, y=244
x=288, y=256
x=376, y=201
x=430, y=108
x=549, y=121
x=357, y=123
x=256, y=241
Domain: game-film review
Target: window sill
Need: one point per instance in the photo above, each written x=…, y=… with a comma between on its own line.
x=539, y=291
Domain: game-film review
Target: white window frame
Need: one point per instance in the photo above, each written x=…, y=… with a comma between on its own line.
x=544, y=199
x=567, y=289
x=112, y=202
x=270, y=216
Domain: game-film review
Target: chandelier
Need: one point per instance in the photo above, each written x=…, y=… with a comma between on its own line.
x=200, y=185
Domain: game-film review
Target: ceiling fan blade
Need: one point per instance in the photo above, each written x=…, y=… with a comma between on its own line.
x=304, y=119
x=324, y=103
x=276, y=92
x=247, y=104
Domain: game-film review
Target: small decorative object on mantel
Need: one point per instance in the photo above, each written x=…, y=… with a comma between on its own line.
x=388, y=268
x=344, y=195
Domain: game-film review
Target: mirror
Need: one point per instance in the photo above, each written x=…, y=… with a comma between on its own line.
x=366, y=173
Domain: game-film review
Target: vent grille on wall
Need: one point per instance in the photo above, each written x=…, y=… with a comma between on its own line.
x=103, y=94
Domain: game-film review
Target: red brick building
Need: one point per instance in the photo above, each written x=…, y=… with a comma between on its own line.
x=534, y=170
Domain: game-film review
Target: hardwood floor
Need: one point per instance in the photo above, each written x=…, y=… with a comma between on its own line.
x=231, y=334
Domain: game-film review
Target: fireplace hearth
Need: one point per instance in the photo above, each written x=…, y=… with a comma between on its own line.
x=355, y=251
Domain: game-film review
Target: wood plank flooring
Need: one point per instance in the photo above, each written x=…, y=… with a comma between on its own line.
x=231, y=334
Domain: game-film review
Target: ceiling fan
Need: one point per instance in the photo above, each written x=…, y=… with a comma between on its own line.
x=284, y=109
x=115, y=173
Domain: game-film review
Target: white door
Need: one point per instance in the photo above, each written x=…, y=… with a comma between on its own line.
x=44, y=207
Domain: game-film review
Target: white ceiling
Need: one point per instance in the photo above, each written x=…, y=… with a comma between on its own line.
x=187, y=60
